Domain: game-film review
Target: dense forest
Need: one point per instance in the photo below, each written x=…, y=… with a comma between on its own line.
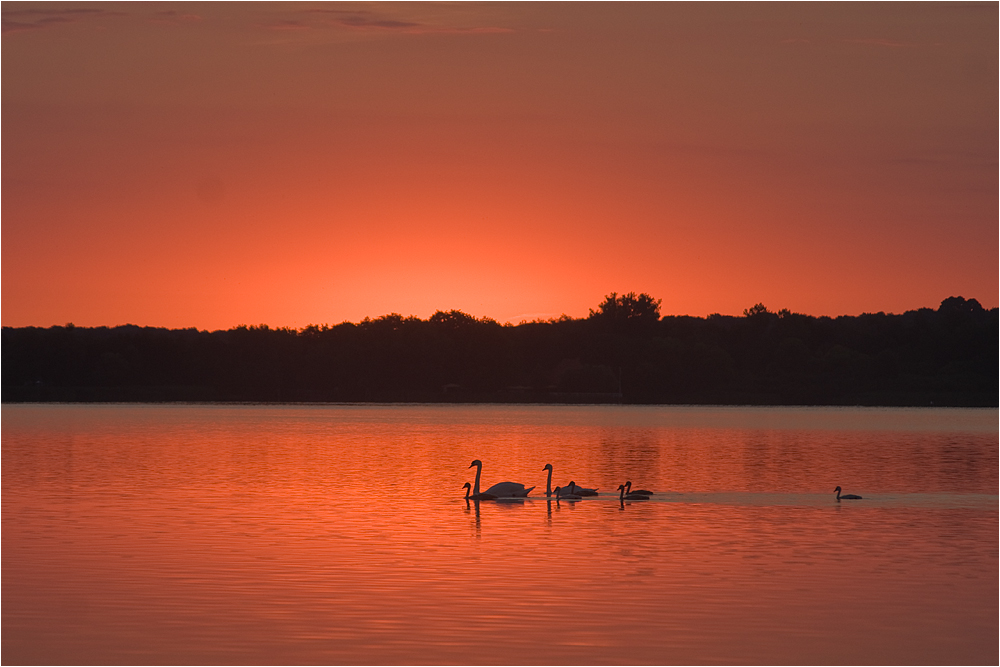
x=623, y=352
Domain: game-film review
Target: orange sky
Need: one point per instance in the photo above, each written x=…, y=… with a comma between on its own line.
x=207, y=165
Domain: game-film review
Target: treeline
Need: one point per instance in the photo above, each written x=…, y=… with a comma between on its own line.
x=623, y=352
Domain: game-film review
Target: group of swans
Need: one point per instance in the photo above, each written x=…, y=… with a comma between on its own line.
x=506, y=490
x=514, y=490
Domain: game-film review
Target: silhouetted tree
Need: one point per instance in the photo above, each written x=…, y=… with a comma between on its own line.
x=629, y=308
x=959, y=304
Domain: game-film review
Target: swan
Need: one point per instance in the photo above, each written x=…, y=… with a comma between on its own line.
x=849, y=496
x=580, y=491
x=501, y=489
x=478, y=496
x=560, y=495
x=630, y=496
x=644, y=492
x=548, y=482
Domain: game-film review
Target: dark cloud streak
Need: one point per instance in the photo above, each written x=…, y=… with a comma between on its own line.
x=24, y=20
x=369, y=20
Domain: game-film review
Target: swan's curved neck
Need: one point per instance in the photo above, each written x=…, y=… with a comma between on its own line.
x=479, y=471
x=548, y=484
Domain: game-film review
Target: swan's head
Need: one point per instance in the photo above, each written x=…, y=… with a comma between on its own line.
x=621, y=487
x=466, y=486
x=475, y=463
x=548, y=466
x=837, y=490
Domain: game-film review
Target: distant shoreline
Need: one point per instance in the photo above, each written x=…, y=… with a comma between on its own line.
x=623, y=353
x=582, y=401
x=497, y=403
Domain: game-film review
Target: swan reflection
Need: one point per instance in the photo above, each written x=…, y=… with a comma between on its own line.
x=468, y=508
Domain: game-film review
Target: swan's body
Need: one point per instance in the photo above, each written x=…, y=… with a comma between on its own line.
x=580, y=491
x=502, y=489
x=477, y=496
x=630, y=496
x=561, y=495
x=628, y=490
x=570, y=488
x=849, y=496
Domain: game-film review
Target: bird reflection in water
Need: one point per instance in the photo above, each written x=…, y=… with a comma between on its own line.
x=468, y=508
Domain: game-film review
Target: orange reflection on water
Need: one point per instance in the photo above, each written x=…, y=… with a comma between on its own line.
x=244, y=534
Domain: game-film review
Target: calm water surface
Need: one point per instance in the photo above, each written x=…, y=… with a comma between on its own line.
x=338, y=534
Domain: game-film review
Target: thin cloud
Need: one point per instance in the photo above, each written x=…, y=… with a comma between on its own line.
x=24, y=20
x=366, y=20
x=880, y=42
x=174, y=17
x=289, y=25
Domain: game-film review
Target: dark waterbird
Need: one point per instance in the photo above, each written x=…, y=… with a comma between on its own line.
x=629, y=489
x=476, y=496
x=849, y=496
x=581, y=491
x=570, y=488
x=566, y=495
x=630, y=496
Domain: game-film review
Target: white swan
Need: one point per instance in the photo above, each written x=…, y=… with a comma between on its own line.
x=580, y=491
x=501, y=489
x=630, y=496
x=628, y=490
x=849, y=496
x=478, y=496
x=560, y=495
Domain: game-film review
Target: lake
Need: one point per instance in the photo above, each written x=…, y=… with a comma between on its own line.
x=338, y=534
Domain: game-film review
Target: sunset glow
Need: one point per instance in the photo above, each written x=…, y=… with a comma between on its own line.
x=206, y=165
